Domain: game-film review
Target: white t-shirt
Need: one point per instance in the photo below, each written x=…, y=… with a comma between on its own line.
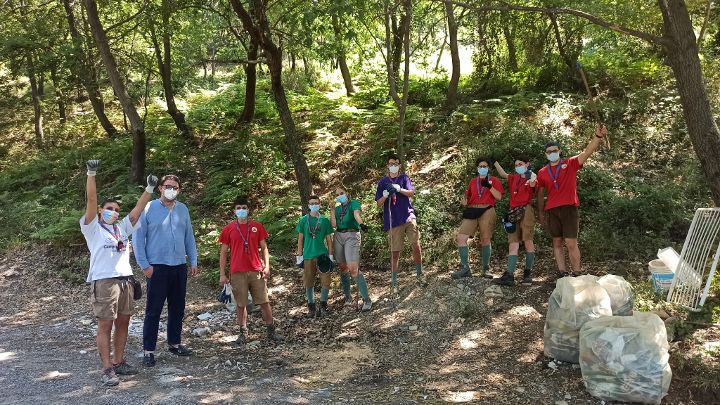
x=102, y=241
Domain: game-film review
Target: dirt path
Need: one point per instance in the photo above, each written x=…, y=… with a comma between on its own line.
x=447, y=342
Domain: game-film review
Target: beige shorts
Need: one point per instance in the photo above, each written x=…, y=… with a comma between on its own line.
x=310, y=272
x=397, y=235
x=253, y=281
x=486, y=223
x=110, y=297
x=525, y=229
x=346, y=247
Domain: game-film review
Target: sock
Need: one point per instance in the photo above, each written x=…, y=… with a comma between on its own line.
x=463, y=253
x=512, y=264
x=362, y=286
x=529, y=260
x=393, y=280
x=486, y=252
x=418, y=269
x=310, y=295
x=345, y=281
x=324, y=292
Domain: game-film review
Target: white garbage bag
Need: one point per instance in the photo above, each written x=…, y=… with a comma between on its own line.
x=574, y=301
x=620, y=292
x=625, y=358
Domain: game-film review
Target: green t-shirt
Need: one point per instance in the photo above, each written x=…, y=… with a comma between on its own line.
x=320, y=227
x=348, y=220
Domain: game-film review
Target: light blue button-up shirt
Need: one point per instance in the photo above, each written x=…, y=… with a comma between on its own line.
x=165, y=236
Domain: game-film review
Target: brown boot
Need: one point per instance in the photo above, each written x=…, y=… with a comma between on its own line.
x=244, y=336
x=273, y=335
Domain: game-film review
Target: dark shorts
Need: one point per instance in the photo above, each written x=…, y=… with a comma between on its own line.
x=563, y=222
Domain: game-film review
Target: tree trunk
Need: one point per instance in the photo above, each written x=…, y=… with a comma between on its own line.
x=59, y=96
x=164, y=61
x=292, y=61
x=250, y=83
x=341, y=57
x=136, y=124
x=682, y=56
x=407, y=16
x=561, y=47
x=451, y=102
x=41, y=84
x=86, y=73
x=512, y=49
x=36, y=102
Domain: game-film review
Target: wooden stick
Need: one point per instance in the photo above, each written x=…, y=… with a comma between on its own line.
x=591, y=100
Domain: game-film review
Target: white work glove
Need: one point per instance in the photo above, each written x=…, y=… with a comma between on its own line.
x=332, y=258
x=298, y=260
x=92, y=167
x=533, y=177
x=397, y=187
x=151, y=184
x=386, y=193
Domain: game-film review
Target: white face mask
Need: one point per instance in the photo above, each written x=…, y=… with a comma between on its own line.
x=393, y=169
x=170, y=194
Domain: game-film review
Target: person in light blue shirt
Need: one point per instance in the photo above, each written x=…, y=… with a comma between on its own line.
x=163, y=245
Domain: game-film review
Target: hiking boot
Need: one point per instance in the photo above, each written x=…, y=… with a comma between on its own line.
x=561, y=274
x=273, y=335
x=244, y=336
x=527, y=278
x=463, y=272
x=507, y=279
x=421, y=280
x=324, y=310
x=180, y=350
x=109, y=378
x=149, y=360
x=348, y=301
x=311, y=310
x=486, y=274
x=124, y=369
x=367, y=306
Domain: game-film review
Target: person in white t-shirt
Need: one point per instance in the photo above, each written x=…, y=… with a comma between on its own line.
x=110, y=275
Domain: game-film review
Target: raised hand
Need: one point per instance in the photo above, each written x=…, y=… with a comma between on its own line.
x=152, y=182
x=92, y=167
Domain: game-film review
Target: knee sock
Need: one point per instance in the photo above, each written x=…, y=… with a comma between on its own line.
x=310, y=295
x=345, y=281
x=362, y=286
x=463, y=253
x=529, y=260
x=418, y=269
x=512, y=263
x=486, y=252
x=393, y=280
x=324, y=292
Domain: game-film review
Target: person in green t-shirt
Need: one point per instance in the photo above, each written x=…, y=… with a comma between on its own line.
x=314, y=242
x=348, y=222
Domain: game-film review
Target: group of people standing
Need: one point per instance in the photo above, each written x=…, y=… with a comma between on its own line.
x=164, y=243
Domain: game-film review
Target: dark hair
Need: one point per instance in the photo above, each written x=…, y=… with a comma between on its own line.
x=314, y=197
x=392, y=156
x=483, y=159
x=241, y=201
x=553, y=143
x=522, y=158
x=109, y=200
x=170, y=177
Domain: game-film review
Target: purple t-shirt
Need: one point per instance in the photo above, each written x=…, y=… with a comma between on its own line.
x=401, y=208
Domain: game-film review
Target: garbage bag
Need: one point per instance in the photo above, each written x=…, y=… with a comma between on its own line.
x=625, y=358
x=620, y=292
x=574, y=301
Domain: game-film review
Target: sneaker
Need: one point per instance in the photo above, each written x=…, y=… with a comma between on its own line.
x=311, y=310
x=367, y=306
x=180, y=350
x=507, y=279
x=273, y=335
x=463, y=272
x=487, y=274
x=244, y=337
x=109, y=378
x=124, y=368
x=348, y=301
x=527, y=278
x=324, y=310
x=149, y=360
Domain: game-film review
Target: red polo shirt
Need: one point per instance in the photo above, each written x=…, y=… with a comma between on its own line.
x=244, y=259
x=560, y=181
x=520, y=192
x=483, y=196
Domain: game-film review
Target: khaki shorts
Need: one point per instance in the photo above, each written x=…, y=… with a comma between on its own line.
x=310, y=271
x=346, y=247
x=563, y=222
x=398, y=233
x=241, y=282
x=111, y=297
x=525, y=228
x=486, y=223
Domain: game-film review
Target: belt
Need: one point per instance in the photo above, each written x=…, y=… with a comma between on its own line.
x=347, y=230
x=123, y=278
x=479, y=206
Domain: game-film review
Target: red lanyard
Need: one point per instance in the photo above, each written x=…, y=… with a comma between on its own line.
x=518, y=183
x=245, y=238
x=554, y=176
x=480, y=190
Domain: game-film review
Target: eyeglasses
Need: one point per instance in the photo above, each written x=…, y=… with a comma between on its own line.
x=552, y=150
x=171, y=187
x=485, y=166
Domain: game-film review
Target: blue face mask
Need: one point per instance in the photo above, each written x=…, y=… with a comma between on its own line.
x=342, y=198
x=482, y=171
x=314, y=207
x=109, y=216
x=520, y=169
x=553, y=156
x=241, y=213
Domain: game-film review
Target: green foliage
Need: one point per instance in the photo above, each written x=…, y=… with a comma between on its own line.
x=427, y=92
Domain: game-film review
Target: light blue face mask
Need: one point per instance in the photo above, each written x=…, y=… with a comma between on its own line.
x=482, y=171
x=553, y=156
x=520, y=169
x=109, y=216
x=241, y=213
x=314, y=207
x=342, y=198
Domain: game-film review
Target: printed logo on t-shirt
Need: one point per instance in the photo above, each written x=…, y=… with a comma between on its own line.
x=110, y=243
x=254, y=229
x=564, y=166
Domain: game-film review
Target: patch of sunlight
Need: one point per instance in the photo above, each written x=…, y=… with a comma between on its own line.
x=461, y=396
x=525, y=311
x=305, y=124
x=217, y=397
x=348, y=108
x=339, y=364
x=466, y=344
x=53, y=375
x=438, y=162
x=4, y=356
x=351, y=322
x=278, y=289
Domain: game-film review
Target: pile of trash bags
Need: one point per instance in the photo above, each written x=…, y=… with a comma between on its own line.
x=625, y=358
x=620, y=292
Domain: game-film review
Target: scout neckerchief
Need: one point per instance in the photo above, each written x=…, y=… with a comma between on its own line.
x=554, y=176
x=394, y=196
x=115, y=233
x=343, y=210
x=245, y=238
x=313, y=231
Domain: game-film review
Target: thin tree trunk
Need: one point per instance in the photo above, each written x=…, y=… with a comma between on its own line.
x=41, y=84
x=342, y=60
x=87, y=74
x=250, y=83
x=561, y=47
x=59, y=96
x=512, y=49
x=36, y=102
x=706, y=21
x=406, y=78
x=292, y=62
x=136, y=124
x=452, y=101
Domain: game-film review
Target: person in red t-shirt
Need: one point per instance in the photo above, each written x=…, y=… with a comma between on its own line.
x=245, y=238
x=522, y=190
x=480, y=197
x=559, y=178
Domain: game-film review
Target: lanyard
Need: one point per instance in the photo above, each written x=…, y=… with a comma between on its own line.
x=394, y=196
x=518, y=183
x=245, y=238
x=554, y=176
x=343, y=211
x=115, y=233
x=313, y=231
x=480, y=190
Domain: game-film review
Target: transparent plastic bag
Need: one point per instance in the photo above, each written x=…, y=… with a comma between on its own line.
x=620, y=292
x=574, y=301
x=625, y=358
